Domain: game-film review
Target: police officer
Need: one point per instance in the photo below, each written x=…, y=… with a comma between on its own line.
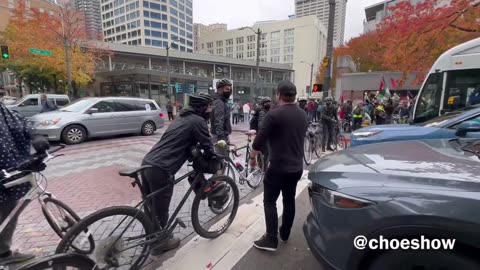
x=329, y=119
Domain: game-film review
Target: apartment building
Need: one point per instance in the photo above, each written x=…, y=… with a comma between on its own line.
x=202, y=29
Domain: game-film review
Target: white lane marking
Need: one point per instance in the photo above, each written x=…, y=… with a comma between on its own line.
x=226, y=250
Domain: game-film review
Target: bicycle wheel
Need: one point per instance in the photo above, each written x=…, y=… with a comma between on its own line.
x=208, y=225
x=307, y=150
x=65, y=219
x=230, y=172
x=342, y=142
x=60, y=262
x=317, y=146
x=255, y=177
x=126, y=247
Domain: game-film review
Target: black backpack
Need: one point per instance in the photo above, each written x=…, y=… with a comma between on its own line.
x=254, y=120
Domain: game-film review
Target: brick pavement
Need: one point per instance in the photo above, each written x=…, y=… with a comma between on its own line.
x=87, y=179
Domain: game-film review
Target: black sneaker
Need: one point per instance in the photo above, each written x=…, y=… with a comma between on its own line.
x=15, y=257
x=283, y=236
x=266, y=243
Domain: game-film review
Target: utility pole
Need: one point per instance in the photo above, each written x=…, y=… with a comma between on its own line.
x=311, y=80
x=67, y=60
x=257, y=86
x=328, y=73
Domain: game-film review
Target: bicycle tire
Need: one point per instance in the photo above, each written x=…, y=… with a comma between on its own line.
x=342, y=141
x=201, y=196
x=57, y=228
x=261, y=167
x=230, y=173
x=60, y=262
x=307, y=161
x=317, y=147
x=84, y=224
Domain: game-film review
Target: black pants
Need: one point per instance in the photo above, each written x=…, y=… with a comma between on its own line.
x=276, y=182
x=156, y=179
x=357, y=123
x=170, y=116
x=327, y=135
x=235, y=118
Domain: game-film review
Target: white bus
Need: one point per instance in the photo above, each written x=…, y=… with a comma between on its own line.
x=452, y=83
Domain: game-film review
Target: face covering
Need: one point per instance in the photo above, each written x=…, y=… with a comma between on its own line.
x=328, y=103
x=267, y=107
x=226, y=94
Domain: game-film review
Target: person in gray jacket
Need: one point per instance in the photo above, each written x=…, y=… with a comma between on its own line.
x=220, y=118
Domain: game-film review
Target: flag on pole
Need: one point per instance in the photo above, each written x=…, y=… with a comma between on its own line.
x=382, y=84
x=392, y=83
x=342, y=99
x=384, y=92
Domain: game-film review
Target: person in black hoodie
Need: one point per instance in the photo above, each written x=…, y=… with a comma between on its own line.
x=171, y=152
x=220, y=118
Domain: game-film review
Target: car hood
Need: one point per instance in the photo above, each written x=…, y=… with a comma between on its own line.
x=388, y=128
x=398, y=164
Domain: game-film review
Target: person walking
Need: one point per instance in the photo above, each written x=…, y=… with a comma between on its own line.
x=246, y=112
x=47, y=105
x=235, y=113
x=170, y=111
x=329, y=119
x=284, y=126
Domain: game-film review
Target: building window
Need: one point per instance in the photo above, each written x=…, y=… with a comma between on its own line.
x=263, y=36
x=275, y=51
x=173, y=12
x=203, y=46
x=239, y=47
x=229, y=41
x=220, y=51
x=288, y=58
x=230, y=55
x=275, y=59
x=251, y=38
x=263, y=45
x=174, y=20
x=251, y=54
x=219, y=43
x=210, y=45
x=263, y=52
x=210, y=51
x=239, y=40
x=239, y=55
x=229, y=49
x=251, y=47
x=288, y=50
x=173, y=3
x=289, y=33
x=289, y=41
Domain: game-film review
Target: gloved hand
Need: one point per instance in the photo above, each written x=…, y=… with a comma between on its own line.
x=222, y=143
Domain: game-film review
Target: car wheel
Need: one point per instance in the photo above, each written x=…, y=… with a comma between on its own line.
x=148, y=128
x=74, y=134
x=412, y=260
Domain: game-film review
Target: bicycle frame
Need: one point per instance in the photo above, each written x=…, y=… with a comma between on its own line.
x=245, y=169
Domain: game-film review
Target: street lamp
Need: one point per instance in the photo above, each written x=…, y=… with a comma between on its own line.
x=258, y=33
x=170, y=90
x=311, y=76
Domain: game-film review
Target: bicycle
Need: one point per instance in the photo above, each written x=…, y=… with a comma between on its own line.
x=61, y=261
x=339, y=142
x=25, y=172
x=312, y=143
x=252, y=176
x=109, y=251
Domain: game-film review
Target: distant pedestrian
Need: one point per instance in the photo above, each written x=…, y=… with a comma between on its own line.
x=170, y=111
x=246, y=112
x=284, y=126
x=47, y=105
x=235, y=113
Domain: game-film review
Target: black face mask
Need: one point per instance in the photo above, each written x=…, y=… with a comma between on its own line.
x=267, y=106
x=226, y=94
x=328, y=103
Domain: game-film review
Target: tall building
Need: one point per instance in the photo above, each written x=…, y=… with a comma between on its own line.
x=298, y=42
x=202, y=29
x=156, y=23
x=321, y=8
x=6, y=6
x=93, y=19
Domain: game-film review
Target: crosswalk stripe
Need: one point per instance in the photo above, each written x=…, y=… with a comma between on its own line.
x=226, y=250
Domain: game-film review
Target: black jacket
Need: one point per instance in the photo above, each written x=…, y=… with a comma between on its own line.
x=173, y=149
x=329, y=114
x=220, y=118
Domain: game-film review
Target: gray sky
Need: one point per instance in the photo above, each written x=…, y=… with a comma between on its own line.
x=246, y=12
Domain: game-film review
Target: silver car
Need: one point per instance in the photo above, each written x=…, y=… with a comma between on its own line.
x=95, y=117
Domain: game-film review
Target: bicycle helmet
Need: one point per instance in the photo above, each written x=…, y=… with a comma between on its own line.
x=265, y=100
x=328, y=99
x=223, y=82
x=200, y=100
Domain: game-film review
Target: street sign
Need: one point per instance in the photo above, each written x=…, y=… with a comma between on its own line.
x=41, y=52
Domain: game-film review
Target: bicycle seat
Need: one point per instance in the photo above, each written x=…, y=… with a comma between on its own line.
x=133, y=172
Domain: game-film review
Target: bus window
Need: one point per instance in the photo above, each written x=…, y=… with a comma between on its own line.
x=462, y=89
x=428, y=101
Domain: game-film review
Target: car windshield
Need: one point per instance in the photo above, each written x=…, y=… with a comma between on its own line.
x=444, y=118
x=78, y=105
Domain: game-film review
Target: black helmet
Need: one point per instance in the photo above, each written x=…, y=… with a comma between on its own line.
x=265, y=100
x=223, y=82
x=199, y=100
x=328, y=99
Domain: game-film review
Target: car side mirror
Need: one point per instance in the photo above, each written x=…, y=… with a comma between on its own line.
x=21, y=104
x=93, y=110
x=466, y=127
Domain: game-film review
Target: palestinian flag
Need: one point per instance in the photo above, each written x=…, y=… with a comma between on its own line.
x=384, y=92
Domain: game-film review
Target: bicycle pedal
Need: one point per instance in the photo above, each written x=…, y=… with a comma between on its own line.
x=181, y=223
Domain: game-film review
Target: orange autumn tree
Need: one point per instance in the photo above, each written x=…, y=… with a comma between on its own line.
x=40, y=30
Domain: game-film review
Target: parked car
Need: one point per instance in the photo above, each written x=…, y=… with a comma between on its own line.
x=443, y=127
x=8, y=100
x=397, y=190
x=31, y=105
x=95, y=117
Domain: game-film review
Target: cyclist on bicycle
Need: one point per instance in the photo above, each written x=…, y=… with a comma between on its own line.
x=329, y=119
x=14, y=149
x=220, y=117
x=171, y=152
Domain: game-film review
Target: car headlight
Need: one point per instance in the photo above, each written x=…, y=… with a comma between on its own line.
x=49, y=122
x=339, y=200
x=365, y=134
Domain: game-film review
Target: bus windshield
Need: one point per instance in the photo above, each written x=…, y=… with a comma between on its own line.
x=429, y=99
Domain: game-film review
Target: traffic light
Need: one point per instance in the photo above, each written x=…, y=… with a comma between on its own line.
x=325, y=62
x=5, y=54
x=317, y=88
